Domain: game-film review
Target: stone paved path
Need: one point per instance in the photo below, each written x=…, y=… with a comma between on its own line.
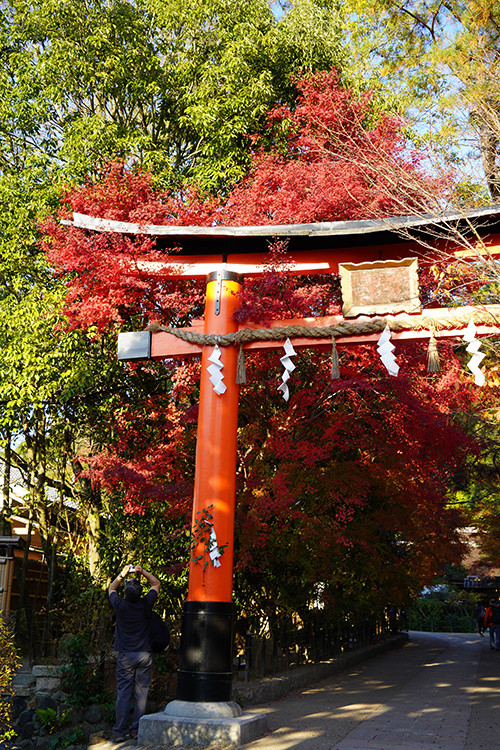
x=439, y=692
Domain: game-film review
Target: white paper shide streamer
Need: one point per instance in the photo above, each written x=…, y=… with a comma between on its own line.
x=386, y=349
x=477, y=356
x=215, y=370
x=213, y=549
x=288, y=367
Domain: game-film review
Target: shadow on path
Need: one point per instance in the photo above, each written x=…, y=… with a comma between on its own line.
x=440, y=691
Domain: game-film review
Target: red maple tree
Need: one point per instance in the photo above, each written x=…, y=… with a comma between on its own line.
x=331, y=158
x=352, y=474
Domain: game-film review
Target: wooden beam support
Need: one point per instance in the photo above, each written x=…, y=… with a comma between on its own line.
x=164, y=344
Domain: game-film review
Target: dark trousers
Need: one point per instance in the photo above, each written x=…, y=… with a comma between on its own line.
x=134, y=670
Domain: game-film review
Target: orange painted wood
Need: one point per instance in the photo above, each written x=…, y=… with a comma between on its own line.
x=166, y=345
x=215, y=472
x=198, y=266
x=320, y=261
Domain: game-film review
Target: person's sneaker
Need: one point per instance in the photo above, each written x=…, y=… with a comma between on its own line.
x=117, y=737
x=133, y=734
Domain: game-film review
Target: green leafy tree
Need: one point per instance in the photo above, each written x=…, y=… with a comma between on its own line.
x=437, y=64
x=171, y=86
x=9, y=662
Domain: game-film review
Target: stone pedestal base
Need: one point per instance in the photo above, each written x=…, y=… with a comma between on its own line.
x=203, y=724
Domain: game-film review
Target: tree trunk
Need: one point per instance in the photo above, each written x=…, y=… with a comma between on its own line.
x=24, y=622
x=89, y=500
x=34, y=432
x=489, y=151
x=93, y=524
x=6, y=511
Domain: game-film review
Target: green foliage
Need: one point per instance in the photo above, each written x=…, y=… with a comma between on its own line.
x=75, y=736
x=9, y=662
x=201, y=540
x=438, y=65
x=444, y=610
x=51, y=720
x=477, y=492
x=82, y=679
x=152, y=539
x=174, y=86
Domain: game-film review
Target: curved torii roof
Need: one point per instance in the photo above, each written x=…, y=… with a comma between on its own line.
x=205, y=239
x=203, y=245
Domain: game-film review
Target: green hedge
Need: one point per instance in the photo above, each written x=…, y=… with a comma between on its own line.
x=444, y=611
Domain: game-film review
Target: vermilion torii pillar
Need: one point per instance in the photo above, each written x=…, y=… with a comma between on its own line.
x=205, y=672
x=206, y=650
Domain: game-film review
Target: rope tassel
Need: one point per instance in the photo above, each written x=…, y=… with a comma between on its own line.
x=241, y=375
x=344, y=328
x=335, y=371
x=433, y=361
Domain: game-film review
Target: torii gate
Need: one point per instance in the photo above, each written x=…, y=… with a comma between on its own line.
x=224, y=255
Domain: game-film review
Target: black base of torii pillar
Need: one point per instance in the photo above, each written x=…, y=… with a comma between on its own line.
x=206, y=664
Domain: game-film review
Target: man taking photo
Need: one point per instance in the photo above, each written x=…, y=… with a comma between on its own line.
x=134, y=664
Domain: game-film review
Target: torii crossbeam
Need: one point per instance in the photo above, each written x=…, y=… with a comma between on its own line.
x=224, y=255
